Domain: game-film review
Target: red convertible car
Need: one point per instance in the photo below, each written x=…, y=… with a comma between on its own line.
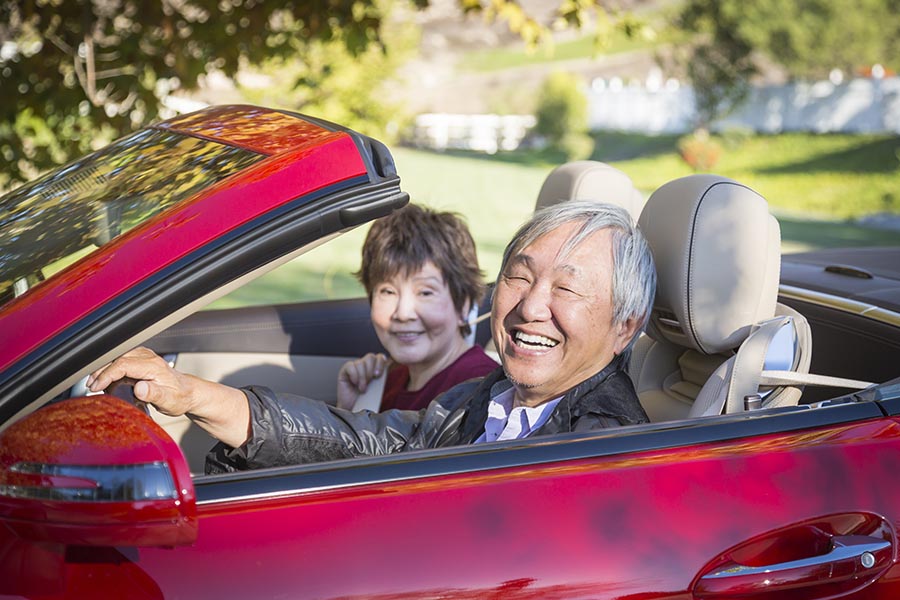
x=102, y=498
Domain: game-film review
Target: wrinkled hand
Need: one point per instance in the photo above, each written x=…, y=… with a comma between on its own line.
x=154, y=381
x=355, y=376
x=221, y=410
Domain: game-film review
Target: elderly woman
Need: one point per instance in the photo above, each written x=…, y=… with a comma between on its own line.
x=421, y=274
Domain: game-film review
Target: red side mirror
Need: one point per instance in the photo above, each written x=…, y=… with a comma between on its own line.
x=95, y=472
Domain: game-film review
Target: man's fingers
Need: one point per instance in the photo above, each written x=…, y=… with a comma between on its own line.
x=103, y=378
x=142, y=391
x=136, y=365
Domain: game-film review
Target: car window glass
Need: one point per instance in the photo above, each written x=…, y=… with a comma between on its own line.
x=50, y=223
x=323, y=273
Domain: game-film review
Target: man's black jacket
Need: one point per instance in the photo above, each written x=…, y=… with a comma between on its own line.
x=288, y=430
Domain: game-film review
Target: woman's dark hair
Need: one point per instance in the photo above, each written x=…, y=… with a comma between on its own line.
x=402, y=242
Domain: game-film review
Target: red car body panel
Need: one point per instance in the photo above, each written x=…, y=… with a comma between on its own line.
x=258, y=129
x=99, y=432
x=319, y=158
x=634, y=526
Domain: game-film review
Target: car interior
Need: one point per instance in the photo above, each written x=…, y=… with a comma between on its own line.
x=717, y=331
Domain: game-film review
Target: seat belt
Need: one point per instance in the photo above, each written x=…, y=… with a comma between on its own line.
x=748, y=372
x=749, y=362
x=794, y=378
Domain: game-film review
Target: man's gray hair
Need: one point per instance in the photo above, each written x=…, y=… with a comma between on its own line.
x=634, y=273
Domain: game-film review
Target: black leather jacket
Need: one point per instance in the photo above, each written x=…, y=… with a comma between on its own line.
x=293, y=430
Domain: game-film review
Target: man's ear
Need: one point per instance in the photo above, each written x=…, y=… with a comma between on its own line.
x=624, y=333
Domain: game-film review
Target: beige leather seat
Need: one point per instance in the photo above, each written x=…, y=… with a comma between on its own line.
x=590, y=180
x=717, y=334
x=718, y=254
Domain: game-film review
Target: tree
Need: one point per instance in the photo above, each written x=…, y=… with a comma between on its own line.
x=808, y=38
x=75, y=73
x=562, y=115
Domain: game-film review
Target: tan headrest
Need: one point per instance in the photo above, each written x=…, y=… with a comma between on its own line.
x=718, y=255
x=590, y=180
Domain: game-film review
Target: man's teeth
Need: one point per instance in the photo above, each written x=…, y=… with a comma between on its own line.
x=527, y=339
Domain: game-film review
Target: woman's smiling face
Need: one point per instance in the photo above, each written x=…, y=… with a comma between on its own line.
x=416, y=321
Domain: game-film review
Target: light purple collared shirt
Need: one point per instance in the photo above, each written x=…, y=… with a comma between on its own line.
x=507, y=423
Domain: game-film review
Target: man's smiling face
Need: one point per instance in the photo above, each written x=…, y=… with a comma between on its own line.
x=552, y=314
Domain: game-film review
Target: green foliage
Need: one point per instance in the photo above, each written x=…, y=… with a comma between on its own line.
x=839, y=176
x=730, y=39
x=92, y=70
x=719, y=65
x=576, y=146
x=562, y=111
x=495, y=59
x=811, y=37
x=81, y=66
x=326, y=80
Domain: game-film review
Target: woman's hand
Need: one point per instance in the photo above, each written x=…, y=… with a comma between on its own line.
x=355, y=376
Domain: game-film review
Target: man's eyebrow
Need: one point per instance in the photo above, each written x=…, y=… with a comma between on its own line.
x=573, y=270
x=527, y=261
x=520, y=258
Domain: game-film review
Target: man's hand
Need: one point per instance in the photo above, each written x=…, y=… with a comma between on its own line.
x=355, y=376
x=221, y=410
x=154, y=381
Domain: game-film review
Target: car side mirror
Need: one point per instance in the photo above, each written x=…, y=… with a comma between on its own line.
x=95, y=472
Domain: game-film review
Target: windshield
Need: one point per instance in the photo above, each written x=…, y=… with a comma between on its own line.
x=48, y=224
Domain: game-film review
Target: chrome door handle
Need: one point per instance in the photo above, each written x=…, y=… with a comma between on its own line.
x=850, y=556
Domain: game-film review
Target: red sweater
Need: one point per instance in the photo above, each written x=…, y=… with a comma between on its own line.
x=472, y=363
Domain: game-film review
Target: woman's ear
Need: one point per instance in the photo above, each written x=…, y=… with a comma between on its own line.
x=464, y=316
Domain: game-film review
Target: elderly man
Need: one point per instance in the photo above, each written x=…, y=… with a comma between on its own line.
x=575, y=288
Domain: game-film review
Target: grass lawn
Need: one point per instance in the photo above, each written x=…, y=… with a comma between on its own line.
x=814, y=185
x=496, y=59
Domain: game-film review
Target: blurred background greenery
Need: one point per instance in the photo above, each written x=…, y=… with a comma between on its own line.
x=76, y=75
x=497, y=193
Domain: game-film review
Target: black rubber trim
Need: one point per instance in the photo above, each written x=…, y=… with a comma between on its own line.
x=887, y=396
x=849, y=271
x=892, y=407
x=526, y=453
x=352, y=216
x=254, y=244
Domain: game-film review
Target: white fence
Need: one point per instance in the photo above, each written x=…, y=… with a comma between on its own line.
x=855, y=106
x=485, y=133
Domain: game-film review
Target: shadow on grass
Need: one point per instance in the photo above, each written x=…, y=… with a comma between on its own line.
x=609, y=146
x=829, y=234
x=528, y=158
x=874, y=156
x=612, y=146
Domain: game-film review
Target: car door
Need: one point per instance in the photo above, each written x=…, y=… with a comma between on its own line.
x=782, y=503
